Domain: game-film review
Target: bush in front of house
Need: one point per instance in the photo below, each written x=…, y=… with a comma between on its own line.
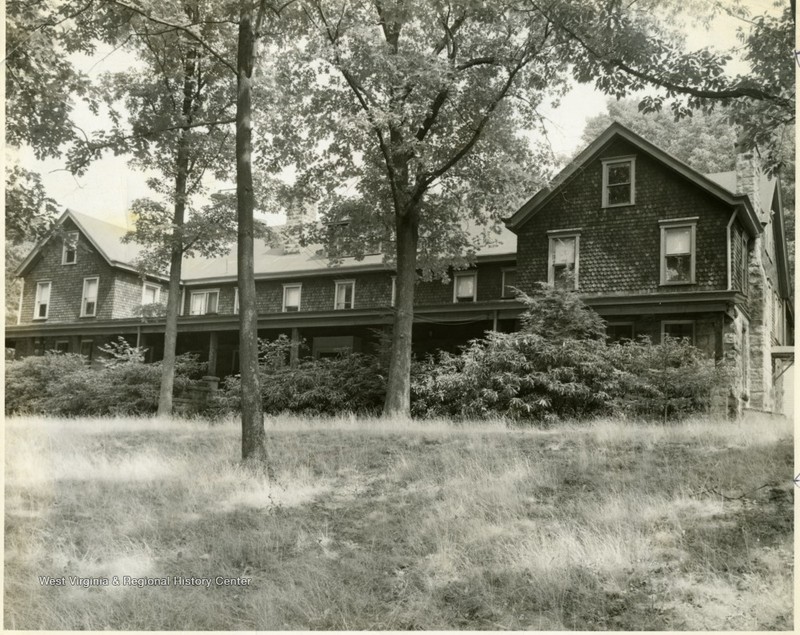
x=560, y=366
x=62, y=384
x=328, y=386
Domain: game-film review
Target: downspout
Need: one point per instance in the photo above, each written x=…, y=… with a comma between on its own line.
x=19, y=310
x=730, y=251
x=183, y=300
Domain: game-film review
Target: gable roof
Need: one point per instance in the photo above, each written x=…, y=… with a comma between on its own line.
x=105, y=237
x=269, y=261
x=616, y=130
x=274, y=262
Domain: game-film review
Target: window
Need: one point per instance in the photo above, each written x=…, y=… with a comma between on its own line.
x=89, y=302
x=151, y=294
x=87, y=349
x=678, y=329
x=465, y=286
x=345, y=294
x=62, y=346
x=563, y=257
x=204, y=302
x=509, y=281
x=236, y=300
x=619, y=176
x=619, y=331
x=291, y=297
x=69, y=254
x=42, y=301
x=677, y=251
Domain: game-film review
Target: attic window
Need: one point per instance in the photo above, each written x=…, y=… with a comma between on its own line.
x=69, y=255
x=619, y=176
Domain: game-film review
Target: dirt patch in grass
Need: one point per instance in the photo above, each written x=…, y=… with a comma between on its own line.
x=364, y=526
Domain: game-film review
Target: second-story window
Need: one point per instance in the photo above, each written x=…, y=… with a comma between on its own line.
x=619, y=176
x=564, y=257
x=678, y=251
x=465, y=286
x=69, y=253
x=204, y=302
x=291, y=297
x=42, y=305
x=345, y=294
x=151, y=294
x=89, y=301
x=509, y=282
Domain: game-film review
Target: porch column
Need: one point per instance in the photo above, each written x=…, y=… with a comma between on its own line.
x=213, y=346
x=294, y=351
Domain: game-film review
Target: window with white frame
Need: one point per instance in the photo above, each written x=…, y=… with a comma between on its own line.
x=204, y=302
x=345, y=294
x=509, y=283
x=89, y=300
x=151, y=293
x=619, y=177
x=42, y=303
x=678, y=329
x=69, y=253
x=678, y=251
x=291, y=297
x=465, y=286
x=564, y=257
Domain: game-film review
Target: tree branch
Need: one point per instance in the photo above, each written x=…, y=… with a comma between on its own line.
x=184, y=28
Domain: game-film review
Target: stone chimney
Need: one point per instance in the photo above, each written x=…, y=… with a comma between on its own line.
x=748, y=179
x=298, y=216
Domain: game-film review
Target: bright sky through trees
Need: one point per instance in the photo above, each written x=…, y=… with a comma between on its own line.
x=109, y=186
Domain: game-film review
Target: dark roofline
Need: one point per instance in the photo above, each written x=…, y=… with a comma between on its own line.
x=742, y=202
x=782, y=252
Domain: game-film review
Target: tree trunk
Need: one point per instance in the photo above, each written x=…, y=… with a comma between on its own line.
x=176, y=250
x=398, y=389
x=254, y=447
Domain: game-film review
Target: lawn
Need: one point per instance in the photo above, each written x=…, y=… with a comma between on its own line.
x=375, y=525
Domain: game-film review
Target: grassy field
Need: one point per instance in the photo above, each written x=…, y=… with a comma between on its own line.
x=375, y=525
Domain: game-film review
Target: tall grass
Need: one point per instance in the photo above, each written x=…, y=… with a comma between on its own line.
x=375, y=524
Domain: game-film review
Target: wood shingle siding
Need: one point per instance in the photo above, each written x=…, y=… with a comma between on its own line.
x=620, y=247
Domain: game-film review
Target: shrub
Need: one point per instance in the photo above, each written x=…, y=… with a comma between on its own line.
x=328, y=386
x=63, y=385
x=559, y=365
x=53, y=381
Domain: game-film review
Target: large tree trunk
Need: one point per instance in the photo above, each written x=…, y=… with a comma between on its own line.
x=254, y=447
x=398, y=389
x=174, y=297
x=176, y=250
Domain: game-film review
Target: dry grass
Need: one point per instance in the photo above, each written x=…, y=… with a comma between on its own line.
x=372, y=524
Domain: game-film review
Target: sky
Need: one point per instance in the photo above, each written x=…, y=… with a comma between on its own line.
x=109, y=186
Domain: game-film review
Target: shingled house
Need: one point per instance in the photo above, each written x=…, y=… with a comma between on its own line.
x=652, y=245
x=658, y=249
x=81, y=289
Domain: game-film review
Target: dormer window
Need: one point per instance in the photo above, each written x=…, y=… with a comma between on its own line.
x=69, y=254
x=619, y=176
